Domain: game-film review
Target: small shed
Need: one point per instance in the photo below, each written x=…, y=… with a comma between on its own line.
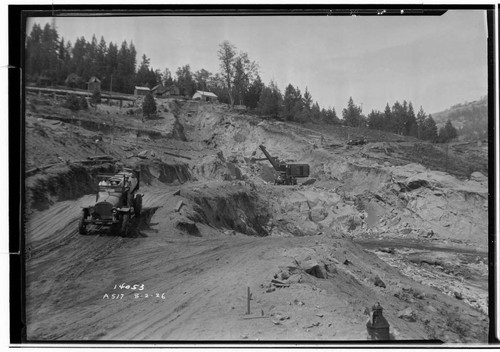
x=73, y=81
x=174, y=90
x=44, y=81
x=205, y=96
x=94, y=84
x=160, y=90
x=141, y=90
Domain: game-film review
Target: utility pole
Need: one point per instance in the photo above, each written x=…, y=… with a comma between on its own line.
x=113, y=130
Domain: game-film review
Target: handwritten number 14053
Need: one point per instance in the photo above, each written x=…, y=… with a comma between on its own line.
x=124, y=286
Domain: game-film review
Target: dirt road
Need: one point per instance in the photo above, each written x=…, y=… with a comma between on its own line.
x=194, y=288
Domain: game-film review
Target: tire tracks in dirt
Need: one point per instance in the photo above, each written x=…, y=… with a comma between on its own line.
x=192, y=285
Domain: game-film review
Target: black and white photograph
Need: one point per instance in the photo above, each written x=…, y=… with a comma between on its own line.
x=251, y=175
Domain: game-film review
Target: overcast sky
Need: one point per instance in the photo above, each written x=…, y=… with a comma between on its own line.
x=432, y=61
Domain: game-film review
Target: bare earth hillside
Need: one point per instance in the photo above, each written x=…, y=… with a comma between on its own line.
x=395, y=221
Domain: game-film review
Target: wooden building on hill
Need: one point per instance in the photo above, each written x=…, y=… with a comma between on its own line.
x=205, y=96
x=174, y=90
x=74, y=81
x=94, y=84
x=160, y=90
x=141, y=90
x=44, y=81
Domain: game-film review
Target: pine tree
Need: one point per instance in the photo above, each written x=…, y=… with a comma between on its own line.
x=48, y=54
x=253, y=94
x=375, y=120
x=227, y=55
x=131, y=64
x=270, y=101
x=158, y=76
x=447, y=132
x=92, y=59
x=144, y=77
x=62, y=62
x=72, y=102
x=218, y=87
x=411, y=122
x=201, y=78
x=96, y=97
x=316, y=112
x=352, y=114
x=111, y=65
x=302, y=110
x=240, y=78
x=332, y=116
x=149, y=106
x=185, y=81
x=387, y=120
x=33, y=52
x=289, y=101
x=293, y=105
x=421, y=116
x=307, y=100
x=238, y=71
x=430, y=132
x=398, y=118
x=125, y=71
x=299, y=104
x=451, y=130
x=83, y=103
x=167, y=78
x=101, y=67
x=79, y=54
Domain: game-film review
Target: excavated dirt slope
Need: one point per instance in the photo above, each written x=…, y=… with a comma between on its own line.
x=371, y=224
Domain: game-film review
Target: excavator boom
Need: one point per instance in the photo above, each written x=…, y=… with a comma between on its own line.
x=270, y=158
x=287, y=173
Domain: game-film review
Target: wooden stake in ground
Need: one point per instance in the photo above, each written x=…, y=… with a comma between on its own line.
x=249, y=297
x=248, y=300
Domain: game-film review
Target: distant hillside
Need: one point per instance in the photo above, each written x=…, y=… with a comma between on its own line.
x=469, y=118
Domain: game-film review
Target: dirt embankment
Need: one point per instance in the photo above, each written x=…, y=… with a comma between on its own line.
x=307, y=287
x=410, y=198
x=213, y=227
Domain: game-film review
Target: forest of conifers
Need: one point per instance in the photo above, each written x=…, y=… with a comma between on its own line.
x=56, y=62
